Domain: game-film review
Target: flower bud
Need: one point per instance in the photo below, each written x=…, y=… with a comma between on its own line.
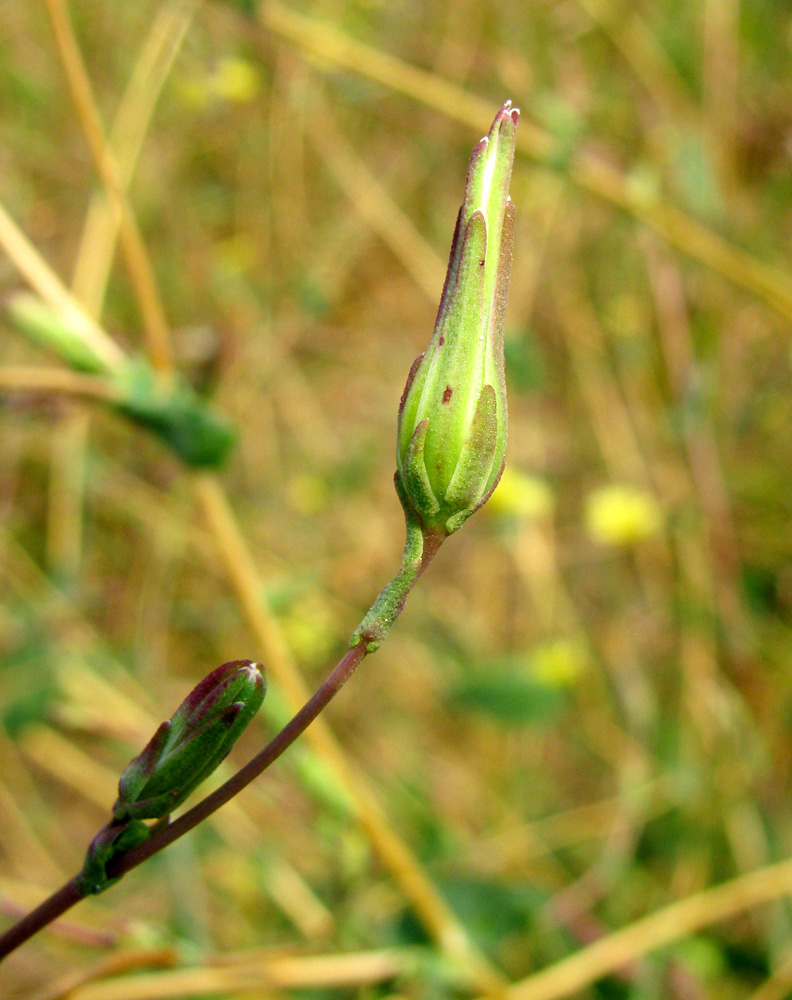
x=452, y=416
x=186, y=749
x=112, y=840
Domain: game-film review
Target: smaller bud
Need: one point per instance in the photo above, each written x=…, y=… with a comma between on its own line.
x=452, y=417
x=112, y=840
x=186, y=749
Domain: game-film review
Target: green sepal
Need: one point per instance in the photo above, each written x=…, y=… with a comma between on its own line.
x=135, y=776
x=111, y=841
x=416, y=479
x=449, y=285
x=455, y=363
x=457, y=520
x=408, y=404
x=475, y=460
x=184, y=769
x=154, y=807
x=408, y=384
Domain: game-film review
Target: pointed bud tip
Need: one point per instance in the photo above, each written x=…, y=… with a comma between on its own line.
x=254, y=670
x=506, y=111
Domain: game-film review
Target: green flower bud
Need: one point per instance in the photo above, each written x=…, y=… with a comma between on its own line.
x=452, y=417
x=112, y=840
x=186, y=749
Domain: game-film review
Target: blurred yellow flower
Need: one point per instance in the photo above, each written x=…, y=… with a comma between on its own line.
x=236, y=80
x=236, y=255
x=309, y=628
x=520, y=495
x=627, y=315
x=622, y=515
x=307, y=494
x=559, y=662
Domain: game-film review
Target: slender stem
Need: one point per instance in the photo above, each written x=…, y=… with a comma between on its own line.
x=430, y=906
x=68, y=895
x=52, y=908
x=440, y=919
x=432, y=543
x=340, y=674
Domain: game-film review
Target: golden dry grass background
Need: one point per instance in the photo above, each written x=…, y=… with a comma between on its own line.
x=582, y=719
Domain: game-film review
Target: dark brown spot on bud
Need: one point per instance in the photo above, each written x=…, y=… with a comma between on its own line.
x=442, y=340
x=447, y=393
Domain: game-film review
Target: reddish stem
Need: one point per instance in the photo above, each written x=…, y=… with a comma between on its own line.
x=62, y=900
x=341, y=673
x=58, y=903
